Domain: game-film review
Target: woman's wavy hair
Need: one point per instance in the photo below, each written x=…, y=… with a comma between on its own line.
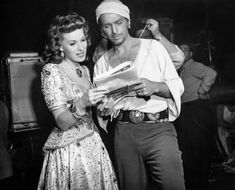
x=59, y=26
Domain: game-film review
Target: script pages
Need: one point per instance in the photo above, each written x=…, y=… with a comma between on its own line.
x=120, y=81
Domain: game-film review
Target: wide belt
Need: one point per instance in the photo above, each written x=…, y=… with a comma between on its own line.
x=134, y=116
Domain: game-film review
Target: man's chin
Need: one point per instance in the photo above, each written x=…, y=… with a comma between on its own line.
x=116, y=42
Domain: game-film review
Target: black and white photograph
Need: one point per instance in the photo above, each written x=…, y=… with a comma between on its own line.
x=117, y=95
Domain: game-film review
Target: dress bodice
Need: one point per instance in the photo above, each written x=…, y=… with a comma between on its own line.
x=59, y=90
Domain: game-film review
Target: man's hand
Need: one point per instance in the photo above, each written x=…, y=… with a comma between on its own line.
x=153, y=27
x=203, y=94
x=146, y=87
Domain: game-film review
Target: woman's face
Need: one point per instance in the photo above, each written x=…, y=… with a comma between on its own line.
x=74, y=45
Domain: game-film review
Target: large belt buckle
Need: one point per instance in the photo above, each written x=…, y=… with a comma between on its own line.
x=136, y=116
x=154, y=116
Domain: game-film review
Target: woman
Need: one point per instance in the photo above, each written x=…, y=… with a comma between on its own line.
x=75, y=156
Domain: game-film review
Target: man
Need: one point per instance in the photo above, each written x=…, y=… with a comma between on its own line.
x=145, y=143
x=197, y=77
x=195, y=129
x=151, y=32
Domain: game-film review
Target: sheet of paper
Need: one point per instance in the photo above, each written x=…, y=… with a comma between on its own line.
x=120, y=81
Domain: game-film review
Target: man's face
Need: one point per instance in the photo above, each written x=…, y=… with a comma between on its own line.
x=114, y=27
x=187, y=53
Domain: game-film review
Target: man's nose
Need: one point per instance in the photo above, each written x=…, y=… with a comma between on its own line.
x=114, y=29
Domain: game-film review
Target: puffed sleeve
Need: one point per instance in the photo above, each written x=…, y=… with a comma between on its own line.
x=52, y=87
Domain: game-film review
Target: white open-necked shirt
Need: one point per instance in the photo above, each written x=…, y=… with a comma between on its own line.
x=153, y=63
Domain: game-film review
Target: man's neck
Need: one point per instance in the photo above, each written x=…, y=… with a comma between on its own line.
x=125, y=46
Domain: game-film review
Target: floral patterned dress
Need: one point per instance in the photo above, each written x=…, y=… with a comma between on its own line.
x=77, y=158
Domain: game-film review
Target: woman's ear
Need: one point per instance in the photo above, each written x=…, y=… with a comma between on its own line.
x=61, y=51
x=61, y=48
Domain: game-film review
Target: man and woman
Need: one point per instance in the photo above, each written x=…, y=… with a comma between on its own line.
x=146, y=149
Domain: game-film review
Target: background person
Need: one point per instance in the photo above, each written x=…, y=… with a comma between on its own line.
x=196, y=124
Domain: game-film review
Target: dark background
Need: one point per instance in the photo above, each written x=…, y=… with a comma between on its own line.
x=24, y=24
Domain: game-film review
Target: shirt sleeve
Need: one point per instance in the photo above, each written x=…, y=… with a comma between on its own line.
x=177, y=58
x=95, y=70
x=171, y=79
x=52, y=87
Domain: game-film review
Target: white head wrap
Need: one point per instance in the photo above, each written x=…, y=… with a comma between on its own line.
x=114, y=7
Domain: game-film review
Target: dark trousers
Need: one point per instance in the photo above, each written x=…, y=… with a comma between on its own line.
x=195, y=130
x=147, y=157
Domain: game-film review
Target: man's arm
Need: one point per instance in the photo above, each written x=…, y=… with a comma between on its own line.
x=176, y=55
x=170, y=82
x=207, y=75
x=148, y=88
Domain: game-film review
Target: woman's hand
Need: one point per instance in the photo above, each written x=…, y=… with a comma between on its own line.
x=92, y=97
x=96, y=95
